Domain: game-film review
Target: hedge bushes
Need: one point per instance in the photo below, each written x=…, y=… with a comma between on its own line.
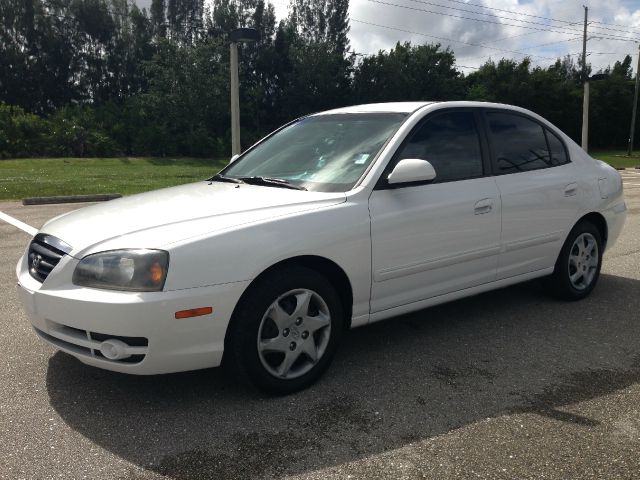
x=108, y=130
x=70, y=131
x=21, y=134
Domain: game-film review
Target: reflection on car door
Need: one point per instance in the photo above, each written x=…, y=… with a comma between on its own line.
x=432, y=239
x=539, y=192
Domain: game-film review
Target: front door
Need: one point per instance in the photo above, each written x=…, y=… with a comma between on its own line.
x=429, y=240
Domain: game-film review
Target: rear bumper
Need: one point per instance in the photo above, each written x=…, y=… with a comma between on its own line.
x=77, y=320
x=615, y=217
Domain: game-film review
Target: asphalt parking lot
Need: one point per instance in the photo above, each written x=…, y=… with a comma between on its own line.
x=508, y=384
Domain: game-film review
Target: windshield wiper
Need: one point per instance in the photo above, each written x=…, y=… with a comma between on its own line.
x=271, y=182
x=222, y=178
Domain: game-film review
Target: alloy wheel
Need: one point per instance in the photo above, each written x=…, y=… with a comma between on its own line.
x=294, y=333
x=583, y=261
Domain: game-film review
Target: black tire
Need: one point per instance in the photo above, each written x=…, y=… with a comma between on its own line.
x=242, y=357
x=559, y=283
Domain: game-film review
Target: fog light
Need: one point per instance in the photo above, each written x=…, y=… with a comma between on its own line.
x=114, y=349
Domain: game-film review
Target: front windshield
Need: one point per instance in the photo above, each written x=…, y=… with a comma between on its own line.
x=326, y=153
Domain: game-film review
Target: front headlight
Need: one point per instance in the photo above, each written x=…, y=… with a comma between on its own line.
x=138, y=270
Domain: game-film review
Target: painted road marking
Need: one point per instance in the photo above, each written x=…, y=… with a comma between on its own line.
x=17, y=223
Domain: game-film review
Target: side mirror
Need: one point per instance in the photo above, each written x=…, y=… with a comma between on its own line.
x=411, y=170
x=234, y=158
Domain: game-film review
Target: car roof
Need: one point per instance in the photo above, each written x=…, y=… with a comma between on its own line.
x=390, y=107
x=411, y=107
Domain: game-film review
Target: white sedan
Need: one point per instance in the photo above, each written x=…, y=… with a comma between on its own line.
x=334, y=221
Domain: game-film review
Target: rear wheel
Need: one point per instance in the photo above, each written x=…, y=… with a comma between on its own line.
x=286, y=330
x=578, y=266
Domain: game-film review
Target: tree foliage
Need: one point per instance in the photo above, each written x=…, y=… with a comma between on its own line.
x=84, y=77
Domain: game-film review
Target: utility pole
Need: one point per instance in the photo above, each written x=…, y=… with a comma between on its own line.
x=585, y=80
x=635, y=108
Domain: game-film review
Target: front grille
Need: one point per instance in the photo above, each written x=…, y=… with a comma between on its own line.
x=87, y=343
x=45, y=252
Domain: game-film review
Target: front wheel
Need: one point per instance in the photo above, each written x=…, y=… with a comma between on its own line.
x=578, y=266
x=286, y=330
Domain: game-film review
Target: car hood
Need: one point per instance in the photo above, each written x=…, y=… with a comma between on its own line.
x=161, y=217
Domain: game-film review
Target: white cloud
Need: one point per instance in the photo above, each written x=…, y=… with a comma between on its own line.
x=369, y=39
x=494, y=37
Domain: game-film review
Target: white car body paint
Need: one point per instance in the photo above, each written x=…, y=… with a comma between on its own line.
x=444, y=245
x=402, y=249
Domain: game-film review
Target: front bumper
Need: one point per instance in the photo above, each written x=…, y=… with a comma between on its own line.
x=77, y=320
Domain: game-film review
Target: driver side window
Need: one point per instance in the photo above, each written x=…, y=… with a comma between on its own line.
x=450, y=142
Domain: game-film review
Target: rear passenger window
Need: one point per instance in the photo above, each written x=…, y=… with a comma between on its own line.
x=519, y=144
x=450, y=142
x=556, y=147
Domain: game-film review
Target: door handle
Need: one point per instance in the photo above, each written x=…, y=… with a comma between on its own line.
x=570, y=190
x=483, y=206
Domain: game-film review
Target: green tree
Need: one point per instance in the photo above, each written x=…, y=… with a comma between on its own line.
x=158, y=18
x=322, y=21
x=185, y=20
x=408, y=72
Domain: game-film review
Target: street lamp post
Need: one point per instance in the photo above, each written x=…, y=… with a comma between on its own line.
x=238, y=35
x=634, y=109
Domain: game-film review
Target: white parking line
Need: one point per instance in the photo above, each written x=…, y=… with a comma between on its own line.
x=17, y=223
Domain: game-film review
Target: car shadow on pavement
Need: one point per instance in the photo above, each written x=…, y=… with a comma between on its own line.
x=393, y=383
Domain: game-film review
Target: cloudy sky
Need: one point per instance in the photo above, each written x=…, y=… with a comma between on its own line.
x=478, y=30
x=481, y=29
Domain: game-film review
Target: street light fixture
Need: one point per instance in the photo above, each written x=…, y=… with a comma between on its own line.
x=245, y=35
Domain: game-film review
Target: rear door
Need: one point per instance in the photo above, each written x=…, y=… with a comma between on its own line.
x=538, y=187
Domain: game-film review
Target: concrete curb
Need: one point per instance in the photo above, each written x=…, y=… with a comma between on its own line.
x=70, y=199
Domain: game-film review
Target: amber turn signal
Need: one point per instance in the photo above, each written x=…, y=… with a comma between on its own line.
x=156, y=273
x=194, y=312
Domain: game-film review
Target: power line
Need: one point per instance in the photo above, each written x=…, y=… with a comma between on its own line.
x=632, y=29
x=513, y=36
x=490, y=21
x=462, y=17
x=593, y=53
x=512, y=12
x=567, y=22
x=609, y=36
x=490, y=15
x=449, y=39
x=552, y=43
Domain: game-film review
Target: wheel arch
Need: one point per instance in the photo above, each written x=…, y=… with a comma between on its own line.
x=598, y=220
x=328, y=268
